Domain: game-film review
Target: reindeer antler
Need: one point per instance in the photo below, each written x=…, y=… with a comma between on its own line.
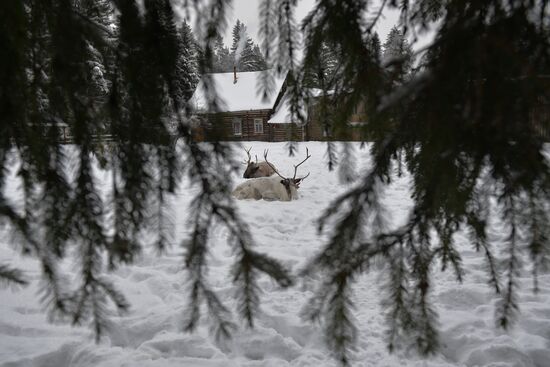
x=248, y=153
x=297, y=165
x=272, y=166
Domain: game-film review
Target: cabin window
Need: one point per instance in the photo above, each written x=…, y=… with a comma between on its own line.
x=258, y=126
x=237, y=127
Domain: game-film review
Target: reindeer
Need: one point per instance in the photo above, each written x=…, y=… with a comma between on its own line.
x=271, y=188
x=255, y=169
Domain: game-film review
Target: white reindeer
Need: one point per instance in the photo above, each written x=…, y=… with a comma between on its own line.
x=271, y=188
x=255, y=169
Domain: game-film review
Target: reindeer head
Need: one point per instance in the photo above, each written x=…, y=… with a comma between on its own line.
x=256, y=169
x=251, y=167
x=290, y=183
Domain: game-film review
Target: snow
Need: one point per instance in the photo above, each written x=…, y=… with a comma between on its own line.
x=241, y=96
x=150, y=335
x=283, y=114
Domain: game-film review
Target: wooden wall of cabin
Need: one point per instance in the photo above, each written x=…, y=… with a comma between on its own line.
x=314, y=130
x=287, y=132
x=354, y=131
x=220, y=126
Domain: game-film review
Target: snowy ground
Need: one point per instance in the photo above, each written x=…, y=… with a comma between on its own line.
x=156, y=286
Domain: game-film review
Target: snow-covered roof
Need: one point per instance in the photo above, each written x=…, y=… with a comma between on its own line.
x=283, y=115
x=243, y=95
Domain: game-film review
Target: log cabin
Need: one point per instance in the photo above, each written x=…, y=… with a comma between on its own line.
x=244, y=114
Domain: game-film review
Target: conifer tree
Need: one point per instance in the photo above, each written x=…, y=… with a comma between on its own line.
x=245, y=54
x=260, y=62
x=324, y=74
x=238, y=32
x=397, y=54
x=222, y=61
x=376, y=47
x=48, y=84
x=250, y=58
x=187, y=68
x=99, y=11
x=100, y=61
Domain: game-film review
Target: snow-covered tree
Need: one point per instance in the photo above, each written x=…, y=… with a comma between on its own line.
x=397, y=54
x=223, y=61
x=250, y=58
x=245, y=54
x=375, y=46
x=187, y=68
x=99, y=11
x=260, y=62
x=324, y=74
x=239, y=35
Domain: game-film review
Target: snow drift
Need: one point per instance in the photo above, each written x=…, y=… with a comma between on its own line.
x=156, y=286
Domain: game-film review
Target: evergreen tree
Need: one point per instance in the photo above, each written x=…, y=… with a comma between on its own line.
x=324, y=73
x=260, y=62
x=187, y=68
x=223, y=61
x=48, y=82
x=329, y=63
x=98, y=11
x=375, y=46
x=238, y=33
x=397, y=54
x=450, y=126
x=249, y=59
x=246, y=56
x=101, y=60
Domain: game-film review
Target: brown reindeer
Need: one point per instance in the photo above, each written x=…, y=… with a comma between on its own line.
x=255, y=169
x=271, y=188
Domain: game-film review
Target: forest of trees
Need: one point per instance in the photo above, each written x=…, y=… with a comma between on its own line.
x=243, y=53
x=327, y=61
x=459, y=124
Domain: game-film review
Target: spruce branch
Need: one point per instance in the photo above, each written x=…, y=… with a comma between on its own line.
x=538, y=248
x=508, y=307
x=399, y=316
x=213, y=206
x=223, y=326
x=247, y=289
x=340, y=326
x=11, y=276
x=332, y=157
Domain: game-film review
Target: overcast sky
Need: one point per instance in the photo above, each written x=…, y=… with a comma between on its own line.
x=247, y=12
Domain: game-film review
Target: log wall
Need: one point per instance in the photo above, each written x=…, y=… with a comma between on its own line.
x=220, y=126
